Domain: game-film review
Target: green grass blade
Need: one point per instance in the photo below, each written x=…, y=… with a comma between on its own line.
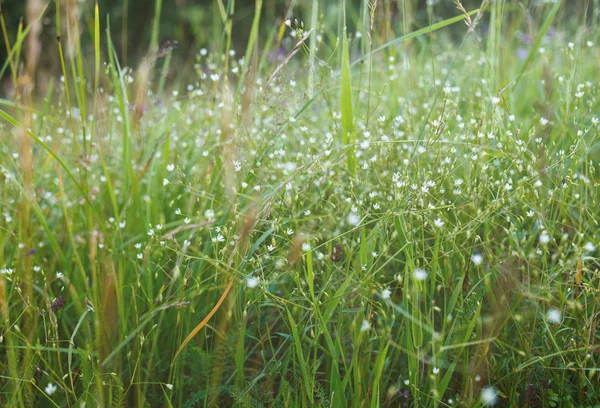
x=538, y=40
x=425, y=30
x=348, y=133
x=300, y=355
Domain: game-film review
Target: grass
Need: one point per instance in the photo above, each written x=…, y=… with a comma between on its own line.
x=413, y=223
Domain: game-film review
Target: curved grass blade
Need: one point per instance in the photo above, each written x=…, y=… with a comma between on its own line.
x=205, y=320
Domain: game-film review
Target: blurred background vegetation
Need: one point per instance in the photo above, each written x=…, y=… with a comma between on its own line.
x=197, y=24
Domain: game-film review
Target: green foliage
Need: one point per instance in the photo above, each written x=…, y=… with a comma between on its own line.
x=369, y=215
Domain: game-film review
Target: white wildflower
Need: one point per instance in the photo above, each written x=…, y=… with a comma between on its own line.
x=489, y=396
x=544, y=238
x=50, y=389
x=365, y=325
x=477, y=259
x=386, y=293
x=251, y=282
x=420, y=274
x=554, y=316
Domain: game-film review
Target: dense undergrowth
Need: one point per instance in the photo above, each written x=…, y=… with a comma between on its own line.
x=416, y=226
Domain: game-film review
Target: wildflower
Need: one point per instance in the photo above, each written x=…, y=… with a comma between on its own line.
x=140, y=256
x=365, y=325
x=436, y=370
x=438, y=223
x=170, y=167
x=543, y=121
x=386, y=293
x=50, y=389
x=169, y=386
x=554, y=316
x=544, y=238
x=420, y=274
x=477, y=259
x=589, y=247
x=489, y=396
x=251, y=282
x=165, y=182
x=210, y=214
x=305, y=246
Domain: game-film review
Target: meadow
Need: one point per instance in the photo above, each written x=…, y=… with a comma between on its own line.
x=383, y=216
